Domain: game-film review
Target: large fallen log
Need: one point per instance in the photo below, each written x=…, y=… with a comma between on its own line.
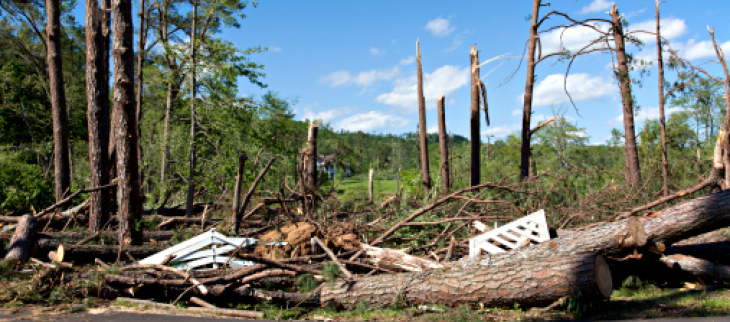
x=704, y=269
x=714, y=252
x=21, y=245
x=85, y=254
x=531, y=282
x=690, y=218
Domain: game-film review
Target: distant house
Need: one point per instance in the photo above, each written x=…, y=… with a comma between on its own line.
x=328, y=163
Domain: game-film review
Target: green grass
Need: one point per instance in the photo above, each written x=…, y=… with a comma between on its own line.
x=354, y=188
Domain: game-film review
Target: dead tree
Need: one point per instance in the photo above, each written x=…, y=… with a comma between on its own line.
x=61, y=161
x=443, y=144
x=97, y=115
x=239, y=182
x=476, y=146
x=310, y=159
x=422, y=125
x=193, y=155
x=525, y=151
x=662, y=121
x=128, y=190
x=141, y=56
x=631, y=155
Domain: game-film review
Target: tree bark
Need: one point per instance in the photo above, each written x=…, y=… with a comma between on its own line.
x=525, y=150
x=239, y=182
x=443, y=144
x=631, y=155
x=61, y=159
x=662, y=119
x=531, y=282
x=701, y=268
x=476, y=146
x=128, y=191
x=715, y=252
x=23, y=240
x=684, y=220
x=425, y=174
x=310, y=159
x=193, y=154
x=85, y=254
x=141, y=56
x=97, y=115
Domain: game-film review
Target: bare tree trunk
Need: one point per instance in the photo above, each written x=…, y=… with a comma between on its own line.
x=127, y=163
x=631, y=155
x=443, y=144
x=526, y=151
x=533, y=282
x=193, y=155
x=165, y=135
x=662, y=120
x=141, y=54
x=476, y=146
x=239, y=182
x=725, y=133
x=310, y=159
x=62, y=170
x=97, y=115
x=422, y=126
x=371, y=190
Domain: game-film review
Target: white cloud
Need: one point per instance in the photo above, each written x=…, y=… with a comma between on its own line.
x=516, y=112
x=433, y=128
x=337, y=78
x=275, y=48
x=643, y=115
x=671, y=28
x=371, y=121
x=364, y=79
x=440, y=27
x=501, y=131
x=376, y=51
x=442, y=81
x=703, y=49
x=582, y=87
x=596, y=6
x=408, y=60
x=327, y=115
x=573, y=38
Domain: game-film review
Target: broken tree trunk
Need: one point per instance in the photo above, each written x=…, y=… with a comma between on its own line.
x=21, y=245
x=425, y=174
x=443, y=144
x=531, y=282
x=310, y=160
x=670, y=225
x=399, y=261
x=239, y=181
x=476, y=146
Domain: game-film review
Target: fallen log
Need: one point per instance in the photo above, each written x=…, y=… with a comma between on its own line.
x=690, y=218
x=714, y=252
x=531, y=282
x=85, y=254
x=396, y=260
x=21, y=245
x=704, y=269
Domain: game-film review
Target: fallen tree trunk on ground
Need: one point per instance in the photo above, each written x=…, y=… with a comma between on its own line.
x=530, y=282
x=704, y=269
x=21, y=245
x=85, y=254
x=691, y=218
x=713, y=252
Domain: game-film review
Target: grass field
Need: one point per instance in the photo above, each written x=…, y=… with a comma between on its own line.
x=355, y=188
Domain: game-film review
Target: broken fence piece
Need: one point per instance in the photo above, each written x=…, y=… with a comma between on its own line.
x=205, y=249
x=521, y=232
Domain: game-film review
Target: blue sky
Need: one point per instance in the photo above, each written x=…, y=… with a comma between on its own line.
x=352, y=63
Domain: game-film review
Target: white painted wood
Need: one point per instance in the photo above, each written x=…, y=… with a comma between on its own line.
x=222, y=260
x=480, y=226
x=519, y=233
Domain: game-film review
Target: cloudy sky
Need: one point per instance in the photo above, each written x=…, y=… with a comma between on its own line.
x=352, y=63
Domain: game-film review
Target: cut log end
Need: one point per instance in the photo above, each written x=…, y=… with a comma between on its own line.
x=602, y=275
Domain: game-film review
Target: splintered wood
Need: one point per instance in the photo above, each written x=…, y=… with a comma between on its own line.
x=519, y=233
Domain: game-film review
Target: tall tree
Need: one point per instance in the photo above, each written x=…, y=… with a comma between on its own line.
x=631, y=155
x=193, y=146
x=62, y=168
x=141, y=56
x=422, y=125
x=529, y=85
x=130, y=208
x=476, y=146
x=97, y=115
x=660, y=64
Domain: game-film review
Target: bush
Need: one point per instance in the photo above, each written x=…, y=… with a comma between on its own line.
x=22, y=184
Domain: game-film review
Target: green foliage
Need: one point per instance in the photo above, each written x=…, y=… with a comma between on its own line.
x=331, y=272
x=23, y=183
x=306, y=283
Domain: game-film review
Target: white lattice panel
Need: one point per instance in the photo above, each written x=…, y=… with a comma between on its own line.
x=531, y=229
